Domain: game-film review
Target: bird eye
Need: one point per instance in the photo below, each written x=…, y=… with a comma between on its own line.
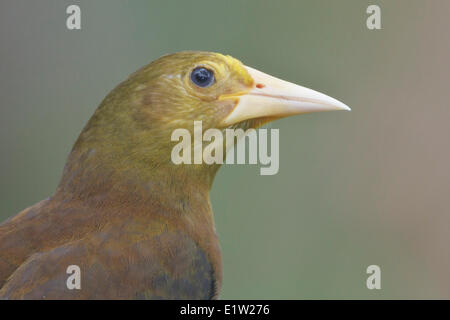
x=202, y=77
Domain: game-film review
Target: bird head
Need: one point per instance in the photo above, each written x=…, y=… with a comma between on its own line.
x=221, y=92
x=131, y=130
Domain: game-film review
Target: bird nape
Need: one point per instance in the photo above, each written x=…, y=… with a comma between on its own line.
x=136, y=225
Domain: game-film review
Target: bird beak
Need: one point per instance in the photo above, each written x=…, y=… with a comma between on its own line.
x=274, y=98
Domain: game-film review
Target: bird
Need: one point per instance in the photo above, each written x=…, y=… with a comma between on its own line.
x=137, y=225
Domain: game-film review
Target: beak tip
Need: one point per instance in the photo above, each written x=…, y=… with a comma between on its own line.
x=341, y=106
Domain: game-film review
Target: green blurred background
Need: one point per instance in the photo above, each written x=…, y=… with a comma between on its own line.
x=354, y=189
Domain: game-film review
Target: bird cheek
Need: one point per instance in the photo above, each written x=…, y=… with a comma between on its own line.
x=225, y=107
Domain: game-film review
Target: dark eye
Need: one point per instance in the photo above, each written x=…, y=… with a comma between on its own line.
x=202, y=77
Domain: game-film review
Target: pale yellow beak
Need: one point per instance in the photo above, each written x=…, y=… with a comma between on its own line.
x=275, y=98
